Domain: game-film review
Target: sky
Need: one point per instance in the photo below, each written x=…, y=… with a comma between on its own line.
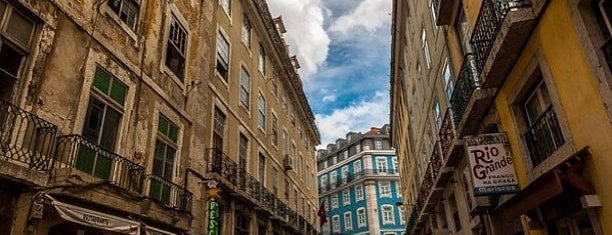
x=343, y=47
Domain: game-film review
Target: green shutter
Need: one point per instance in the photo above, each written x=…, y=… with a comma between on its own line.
x=173, y=133
x=102, y=81
x=154, y=189
x=85, y=159
x=163, y=126
x=117, y=92
x=103, y=167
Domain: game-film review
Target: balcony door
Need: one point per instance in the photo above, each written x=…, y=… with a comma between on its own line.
x=163, y=161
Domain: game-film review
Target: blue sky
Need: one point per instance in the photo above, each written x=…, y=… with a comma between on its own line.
x=343, y=47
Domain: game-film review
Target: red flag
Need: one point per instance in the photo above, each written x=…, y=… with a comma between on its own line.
x=322, y=215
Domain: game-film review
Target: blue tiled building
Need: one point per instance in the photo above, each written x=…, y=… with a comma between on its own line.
x=358, y=183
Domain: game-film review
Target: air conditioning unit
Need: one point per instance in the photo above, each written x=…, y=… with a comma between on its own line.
x=288, y=162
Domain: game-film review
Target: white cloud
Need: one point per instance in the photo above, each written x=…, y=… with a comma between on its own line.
x=370, y=14
x=305, y=34
x=357, y=117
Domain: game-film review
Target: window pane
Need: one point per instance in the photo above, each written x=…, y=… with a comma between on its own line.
x=101, y=80
x=10, y=60
x=117, y=92
x=173, y=133
x=110, y=129
x=158, y=158
x=20, y=27
x=168, y=169
x=162, y=126
x=93, y=120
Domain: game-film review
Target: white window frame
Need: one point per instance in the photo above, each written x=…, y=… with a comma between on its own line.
x=359, y=192
x=387, y=214
x=335, y=223
x=245, y=88
x=348, y=221
x=333, y=179
x=261, y=112
x=334, y=201
x=324, y=183
x=425, y=47
x=345, y=173
x=362, y=220
x=382, y=169
x=384, y=188
x=357, y=166
x=395, y=165
x=346, y=196
x=378, y=145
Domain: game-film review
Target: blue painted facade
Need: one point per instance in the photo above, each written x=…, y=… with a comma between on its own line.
x=371, y=185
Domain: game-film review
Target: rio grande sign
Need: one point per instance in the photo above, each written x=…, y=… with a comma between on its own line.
x=491, y=164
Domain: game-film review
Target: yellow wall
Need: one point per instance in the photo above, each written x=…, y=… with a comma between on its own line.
x=577, y=89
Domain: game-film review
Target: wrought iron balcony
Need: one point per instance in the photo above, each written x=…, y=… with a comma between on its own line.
x=447, y=133
x=74, y=151
x=544, y=137
x=25, y=138
x=168, y=193
x=489, y=22
x=607, y=50
x=464, y=87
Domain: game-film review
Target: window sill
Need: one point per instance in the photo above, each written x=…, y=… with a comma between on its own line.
x=222, y=79
x=174, y=78
x=129, y=31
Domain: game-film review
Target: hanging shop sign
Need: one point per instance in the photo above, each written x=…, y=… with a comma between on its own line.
x=491, y=164
x=213, y=217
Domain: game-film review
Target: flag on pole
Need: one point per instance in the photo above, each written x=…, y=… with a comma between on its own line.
x=322, y=215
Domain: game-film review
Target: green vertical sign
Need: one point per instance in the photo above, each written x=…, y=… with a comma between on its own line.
x=213, y=217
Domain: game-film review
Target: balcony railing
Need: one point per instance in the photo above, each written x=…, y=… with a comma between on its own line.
x=25, y=138
x=241, y=180
x=77, y=152
x=544, y=137
x=489, y=22
x=168, y=193
x=447, y=133
x=607, y=50
x=464, y=87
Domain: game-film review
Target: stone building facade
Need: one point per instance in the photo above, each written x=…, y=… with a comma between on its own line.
x=117, y=118
x=524, y=70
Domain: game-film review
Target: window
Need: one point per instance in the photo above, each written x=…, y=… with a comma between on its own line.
x=262, y=59
x=242, y=224
x=261, y=112
x=448, y=79
x=357, y=148
x=222, y=56
x=13, y=52
x=336, y=223
x=438, y=114
x=425, y=48
x=226, y=5
x=543, y=136
x=285, y=142
x=358, y=192
x=334, y=201
x=323, y=183
x=333, y=179
x=381, y=165
x=246, y=31
x=245, y=88
x=346, y=195
x=402, y=217
x=262, y=169
x=163, y=160
x=395, y=166
x=102, y=123
x=387, y=214
x=348, y=221
x=357, y=167
x=432, y=8
x=274, y=177
x=345, y=174
x=384, y=188
x=398, y=188
x=127, y=10
x=218, y=127
x=244, y=151
x=378, y=144
x=361, y=217
x=326, y=203
x=274, y=130
x=175, y=50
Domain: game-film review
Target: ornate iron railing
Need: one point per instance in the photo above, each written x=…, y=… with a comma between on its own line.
x=219, y=163
x=544, y=137
x=607, y=50
x=25, y=138
x=436, y=160
x=489, y=22
x=447, y=133
x=74, y=151
x=464, y=87
x=168, y=193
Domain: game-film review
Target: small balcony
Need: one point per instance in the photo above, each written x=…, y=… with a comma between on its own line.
x=167, y=193
x=25, y=139
x=469, y=101
x=76, y=152
x=502, y=28
x=544, y=137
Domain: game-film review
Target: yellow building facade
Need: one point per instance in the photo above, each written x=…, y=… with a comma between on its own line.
x=536, y=73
